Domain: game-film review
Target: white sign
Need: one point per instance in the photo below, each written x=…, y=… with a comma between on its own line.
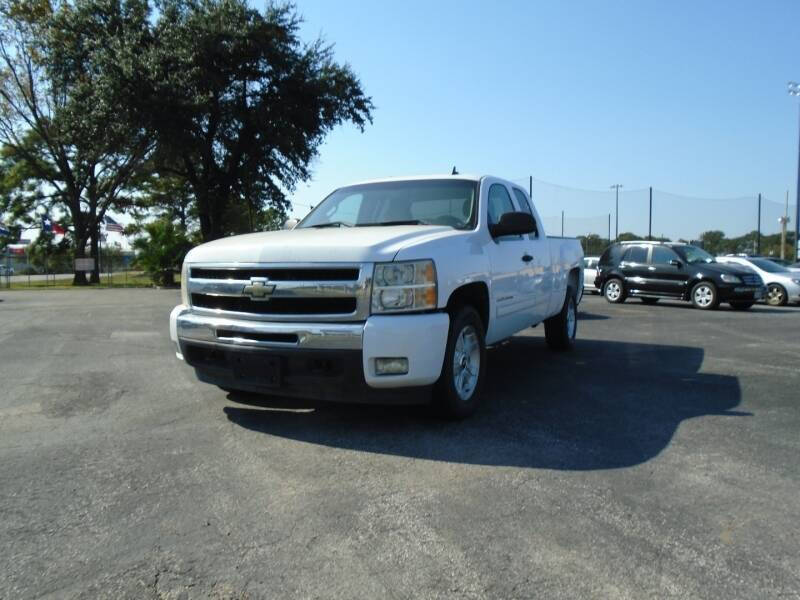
x=84, y=264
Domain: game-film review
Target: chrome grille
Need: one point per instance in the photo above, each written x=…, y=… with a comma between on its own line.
x=282, y=292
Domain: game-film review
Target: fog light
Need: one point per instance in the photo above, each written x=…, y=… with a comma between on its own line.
x=391, y=366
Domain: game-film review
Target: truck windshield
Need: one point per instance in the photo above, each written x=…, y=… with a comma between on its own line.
x=449, y=202
x=693, y=254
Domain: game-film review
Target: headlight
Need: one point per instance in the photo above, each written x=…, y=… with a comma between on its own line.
x=730, y=278
x=185, y=284
x=797, y=281
x=404, y=286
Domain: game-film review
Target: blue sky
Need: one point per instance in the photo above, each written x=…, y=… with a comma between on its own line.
x=689, y=97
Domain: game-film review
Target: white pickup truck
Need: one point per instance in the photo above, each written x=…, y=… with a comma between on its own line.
x=388, y=291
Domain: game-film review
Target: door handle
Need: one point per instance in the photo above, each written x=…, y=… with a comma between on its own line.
x=651, y=268
x=527, y=258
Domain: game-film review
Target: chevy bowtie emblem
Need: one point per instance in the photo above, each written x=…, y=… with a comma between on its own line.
x=259, y=288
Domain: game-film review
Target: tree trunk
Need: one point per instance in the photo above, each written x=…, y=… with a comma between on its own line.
x=95, y=277
x=80, y=252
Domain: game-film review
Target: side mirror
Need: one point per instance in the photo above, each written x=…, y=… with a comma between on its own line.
x=513, y=223
x=291, y=223
x=676, y=263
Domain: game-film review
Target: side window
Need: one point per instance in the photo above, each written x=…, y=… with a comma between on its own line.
x=635, y=254
x=499, y=203
x=612, y=255
x=522, y=200
x=662, y=255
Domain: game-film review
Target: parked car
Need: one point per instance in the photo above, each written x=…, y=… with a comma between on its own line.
x=783, y=285
x=589, y=273
x=386, y=291
x=5, y=270
x=655, y=270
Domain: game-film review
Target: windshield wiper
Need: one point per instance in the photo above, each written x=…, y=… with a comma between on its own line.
x=332, y=224
x=387, y=223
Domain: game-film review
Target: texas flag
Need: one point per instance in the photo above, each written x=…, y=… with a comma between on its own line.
x=58, y=229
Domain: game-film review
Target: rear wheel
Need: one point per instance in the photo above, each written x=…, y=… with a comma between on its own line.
x=704, y=296
x=614, y=291
x=560, y=330
x=776, y=295
x=741, y=305
x=649, y=300
x=458, y=390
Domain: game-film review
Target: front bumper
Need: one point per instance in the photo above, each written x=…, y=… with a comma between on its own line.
x=742, y=293
x=328, y=361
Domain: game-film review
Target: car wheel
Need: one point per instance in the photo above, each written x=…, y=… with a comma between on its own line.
x=560, y=330
x=458, y=390
x=614, y=291
x=741, y=305
x=649, y=300
x=776, y=295
x=704, y=296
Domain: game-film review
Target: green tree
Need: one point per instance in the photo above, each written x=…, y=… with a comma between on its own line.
x=162, y=251
x=240, y=105
x=70, y=136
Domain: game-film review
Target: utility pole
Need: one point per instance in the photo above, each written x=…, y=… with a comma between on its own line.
x=616, y=187
x=794, y=90
x=784, y=220
x=530, y=187
x=609, y=228
x=650, y=222
x=562, y=223
x=758, y=234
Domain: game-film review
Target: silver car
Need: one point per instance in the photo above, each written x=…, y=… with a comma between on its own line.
x=783, y=285
x=589, y=273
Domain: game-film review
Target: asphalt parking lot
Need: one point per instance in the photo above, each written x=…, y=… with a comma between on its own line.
x=659, y=459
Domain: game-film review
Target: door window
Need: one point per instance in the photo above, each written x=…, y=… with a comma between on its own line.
x=499, y=203
x=635, y=254
x=522, y=200
x=662, y=255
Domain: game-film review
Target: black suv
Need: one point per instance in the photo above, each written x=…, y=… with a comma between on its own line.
x=654, y=270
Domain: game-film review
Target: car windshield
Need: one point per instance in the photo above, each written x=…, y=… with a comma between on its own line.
x=450, y=202
x=693, y=254
x=767, y=265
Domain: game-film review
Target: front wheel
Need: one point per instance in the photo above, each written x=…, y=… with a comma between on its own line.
x=776, y=295
x=458, y=390
x=560, y=330
x=705, y=296
x=741, y=305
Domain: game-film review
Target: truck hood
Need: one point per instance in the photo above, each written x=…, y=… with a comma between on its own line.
x=342, y=244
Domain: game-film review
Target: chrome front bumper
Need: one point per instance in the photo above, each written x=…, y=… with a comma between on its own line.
x=206, y=329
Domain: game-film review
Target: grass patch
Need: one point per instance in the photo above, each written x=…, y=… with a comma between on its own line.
x=134, y=279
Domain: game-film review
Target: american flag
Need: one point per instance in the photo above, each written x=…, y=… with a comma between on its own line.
x=112, y=225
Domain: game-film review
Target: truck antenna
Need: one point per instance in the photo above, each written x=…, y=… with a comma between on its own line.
x=455, y=171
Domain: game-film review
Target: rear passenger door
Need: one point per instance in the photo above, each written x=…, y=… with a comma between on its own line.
x=665, y=278
x=634, y=267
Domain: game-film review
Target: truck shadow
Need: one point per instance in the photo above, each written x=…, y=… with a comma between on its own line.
x=605, y=405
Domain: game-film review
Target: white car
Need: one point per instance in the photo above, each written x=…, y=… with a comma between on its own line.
x=589, y=273
x=386, y=291
x=783, y=285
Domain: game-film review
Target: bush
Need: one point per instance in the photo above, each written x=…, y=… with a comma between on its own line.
x=161, y=253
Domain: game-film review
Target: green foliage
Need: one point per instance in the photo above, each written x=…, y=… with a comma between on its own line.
x=240, y=105
x=161, y=253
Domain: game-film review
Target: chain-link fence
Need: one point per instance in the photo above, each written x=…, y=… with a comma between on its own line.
x=641, y=212
x=117, y=269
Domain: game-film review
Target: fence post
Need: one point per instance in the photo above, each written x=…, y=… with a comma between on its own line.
x=758, y=234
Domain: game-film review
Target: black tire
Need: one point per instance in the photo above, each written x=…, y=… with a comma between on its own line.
x=649, y=300
x=449, y=401
x=614, y=291
x=560, y=330
x=776, y=295
x=705, y=296
x=741, y=305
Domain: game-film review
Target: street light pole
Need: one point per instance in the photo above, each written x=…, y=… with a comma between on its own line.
x=616, y=187
x=794, y=90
